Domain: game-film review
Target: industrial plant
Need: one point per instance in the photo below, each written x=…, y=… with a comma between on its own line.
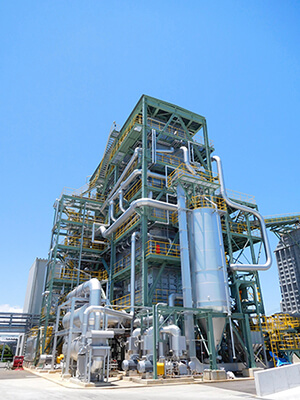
x=153, y=266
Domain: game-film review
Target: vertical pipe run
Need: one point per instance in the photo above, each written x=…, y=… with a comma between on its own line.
x=185, y=271
x=132, y=272
x=81, y=244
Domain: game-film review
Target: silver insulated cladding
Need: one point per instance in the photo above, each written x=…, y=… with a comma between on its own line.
x=207, y=259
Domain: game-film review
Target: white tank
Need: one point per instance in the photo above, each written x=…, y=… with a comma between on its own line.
x=207, y=259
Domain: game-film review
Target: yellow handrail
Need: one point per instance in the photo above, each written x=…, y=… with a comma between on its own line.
x=127, y=225
x=159, y=248
x=182, y=170
x=201, y=201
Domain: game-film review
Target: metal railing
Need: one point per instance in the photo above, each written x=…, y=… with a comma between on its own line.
x=127, y=225
x=71, y=274
x=159, y=296
x=136, y=120
x=75, y=241
x=173, y=130
x=159, y=248
x=201, y=201
x=133, y=190
x=241, y=228
x=247, y=198
x=82, y=192
x=181, y=170
x=17, y=322
x=164, y=215
x=74, y=216
x=125, y=261
x=281, y=218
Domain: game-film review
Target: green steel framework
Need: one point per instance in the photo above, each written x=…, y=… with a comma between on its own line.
x=74, y=257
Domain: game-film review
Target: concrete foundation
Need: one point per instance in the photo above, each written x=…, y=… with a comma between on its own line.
x=214, y=375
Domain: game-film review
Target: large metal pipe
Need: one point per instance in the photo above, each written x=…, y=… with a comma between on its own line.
x=246, y=267
x=121, y=206
x=170, y=150
x=173, y=297
x=175, y=332
x=148, y=320
x=131, y=161
x=102, y=310
x=111, y=210
x=132, y=272
x=92, y=288
x=186, y=159
x=144, y=202
x=126, y=183
x=97, y=321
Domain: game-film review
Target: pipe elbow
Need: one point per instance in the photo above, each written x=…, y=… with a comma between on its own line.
x=187, y=160
x=173, y=330
x=103, y=231
x=246, y=267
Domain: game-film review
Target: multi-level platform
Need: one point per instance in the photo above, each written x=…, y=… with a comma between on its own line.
x=170, y=246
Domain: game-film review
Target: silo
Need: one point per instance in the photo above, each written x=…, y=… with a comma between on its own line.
x=208, y=266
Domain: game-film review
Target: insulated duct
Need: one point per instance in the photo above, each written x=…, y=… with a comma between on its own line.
x=187, y=159
x=136, y=204
x=132, y=272
x=246, y=267
x=92, y=287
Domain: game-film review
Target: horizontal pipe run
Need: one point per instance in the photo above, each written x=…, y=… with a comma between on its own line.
x=91, y=287
x=170, y=150
x=104, y=310
x=144, y=202
x=230, y=203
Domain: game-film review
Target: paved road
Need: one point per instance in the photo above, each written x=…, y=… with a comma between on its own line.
x=22, y=385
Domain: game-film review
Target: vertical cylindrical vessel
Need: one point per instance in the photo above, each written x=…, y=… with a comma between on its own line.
x=207, y=258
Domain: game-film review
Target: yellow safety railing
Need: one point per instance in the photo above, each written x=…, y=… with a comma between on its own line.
x=71, y=274
x=170, y=129
x=133, y=190
x=159, y=248
x=241, y=228
x=75, y=241
x=282, y=331
x=159, y=296
x=125, y=261
x=136, y=120
x=248, y=198
x=152, y=182
x=174, y=217
x=282, y=218
x=169, y=159
x=48, y=335
x=156, y=183
x=288, y=341
x=280, y=322
x=181, y=170
x=75, y=216
x=164, y=215
x=127, y=225
x=201, y=201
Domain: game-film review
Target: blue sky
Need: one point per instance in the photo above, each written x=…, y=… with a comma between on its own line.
x=68, y=69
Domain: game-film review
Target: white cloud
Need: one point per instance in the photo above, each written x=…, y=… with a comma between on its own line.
x=9, y=308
